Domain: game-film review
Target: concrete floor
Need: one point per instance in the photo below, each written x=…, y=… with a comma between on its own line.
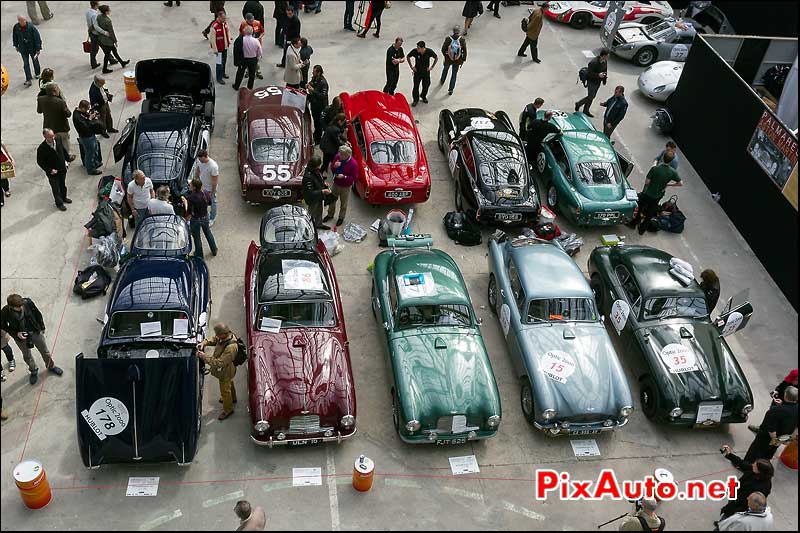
x=42, y=248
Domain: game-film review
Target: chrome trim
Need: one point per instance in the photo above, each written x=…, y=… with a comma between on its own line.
x=271, y=443
x=576, y=427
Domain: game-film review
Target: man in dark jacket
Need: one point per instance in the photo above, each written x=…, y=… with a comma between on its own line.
x=528, y=115
x=52, y=159
x=279, y=14
x=314, y=191
x=757, y=477
x=55, y=113
x=83, y=120
x=291, y=32
x=215, y=8
x=332, y=139
x=100, y=100
x=779, y=420
x=537, y=131
x=254, y=7
x=23, y=321
x=616, y=107
x=598, y=73
x=28, y=43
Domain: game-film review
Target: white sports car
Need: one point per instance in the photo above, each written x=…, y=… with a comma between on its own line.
x=659, y=80
x=583, y=14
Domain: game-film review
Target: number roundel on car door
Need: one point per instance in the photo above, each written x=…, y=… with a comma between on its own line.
x=540, y=162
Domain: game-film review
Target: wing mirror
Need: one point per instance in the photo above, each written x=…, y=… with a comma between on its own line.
x=480, y=320
x=386, y=326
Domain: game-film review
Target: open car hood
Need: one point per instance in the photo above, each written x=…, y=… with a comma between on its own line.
x=168, y=75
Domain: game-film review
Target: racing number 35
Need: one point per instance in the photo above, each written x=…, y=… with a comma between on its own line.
x=279, y=172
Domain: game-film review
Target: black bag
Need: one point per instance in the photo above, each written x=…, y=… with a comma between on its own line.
x=671, y=218
x=102, y=222
x=461, y=229
x=241, y=351
x=583, y=76
x=91, y=282
x=524, y=25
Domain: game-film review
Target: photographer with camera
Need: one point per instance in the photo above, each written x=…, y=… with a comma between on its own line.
x=100, y=99
x=757, y=477
x=645, y=518
x=23, y=321
x=85, y=122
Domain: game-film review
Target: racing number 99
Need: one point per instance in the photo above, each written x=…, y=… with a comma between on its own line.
x=279, y=172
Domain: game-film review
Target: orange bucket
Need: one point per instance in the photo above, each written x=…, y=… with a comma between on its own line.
x=32, y=484
x=789, y=454
x=363, y=472
x=131, y=91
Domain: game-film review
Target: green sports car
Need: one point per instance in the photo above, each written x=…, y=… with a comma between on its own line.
x=583, y=176
x=443, y=387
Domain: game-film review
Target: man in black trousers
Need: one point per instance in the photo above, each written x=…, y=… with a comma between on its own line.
x=780, y=420
x=349, y=7
x=291, y=31
x=394, y=56
x=421, y=67
x=494, y=5
x=52, y=159
x=598, y=74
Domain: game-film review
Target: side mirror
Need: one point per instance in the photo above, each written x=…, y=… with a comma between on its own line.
x=480, y=320
x=386, y=326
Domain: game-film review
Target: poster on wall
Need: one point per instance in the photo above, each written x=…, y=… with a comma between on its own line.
x=774, y=148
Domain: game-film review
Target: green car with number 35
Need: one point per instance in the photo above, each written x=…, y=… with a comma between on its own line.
x=443, y=388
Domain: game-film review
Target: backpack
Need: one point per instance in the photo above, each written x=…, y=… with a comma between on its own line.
x=547, y=230
x=454, y=51
x=661, y=524
x=524, y=25
x=91, y=282
x=674, y=221
x=103, y=220
x=241, y=351
x=583, y=76
x=461, y=229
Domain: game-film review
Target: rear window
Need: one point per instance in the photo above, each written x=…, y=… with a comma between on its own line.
x=161, y=236
x=287, y=230
x=293, y=314
x=275, y=149
x=598, y=173
x=149, y=324
x=561, y=309
x=413, y=316
x=393, y=152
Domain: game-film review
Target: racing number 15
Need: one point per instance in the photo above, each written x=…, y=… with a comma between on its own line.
x=279, y=172
x=556, y=367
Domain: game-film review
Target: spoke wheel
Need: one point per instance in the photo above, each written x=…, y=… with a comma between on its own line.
x=526, y=401
x=492, y=294
x=648, y=397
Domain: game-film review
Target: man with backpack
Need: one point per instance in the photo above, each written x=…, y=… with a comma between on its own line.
x=645, y=519
x=596, y=73
x=222, y=364
x=532, y=27
x=454, y=50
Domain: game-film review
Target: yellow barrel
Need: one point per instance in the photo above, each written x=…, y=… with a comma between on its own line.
x=32, y=484
x=363, y=472
x=789, y=454
x=131, y=91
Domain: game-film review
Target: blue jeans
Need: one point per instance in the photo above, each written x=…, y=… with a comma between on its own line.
x=195, y=225
x=452, y=78
x=213, y=215
x=91, y=151
x=221, y=68
x=27, y=67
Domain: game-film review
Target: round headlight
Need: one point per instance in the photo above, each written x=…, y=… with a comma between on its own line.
x=432, y=436
x=746, y=409
x=329, y=433
x=281, y=436
x=493, y=421
x=412, y=426
x=348, y=421
x=675, y=413
x=549, y=414
x=261, y=426
x=626, y=411
x=472, y=435
x=608, y=423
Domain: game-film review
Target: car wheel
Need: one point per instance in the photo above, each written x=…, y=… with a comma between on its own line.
x=648, y=397
x=459, y=200
x=526, y=401
x=580, y=20
x=552, y=197
x=200, y=404
x=599, y=291
x=208, y=113
x=395, y=412
x=440, y=139
x=646, y=56
x=492, y=294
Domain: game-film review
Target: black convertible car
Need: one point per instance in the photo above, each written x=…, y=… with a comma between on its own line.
x=487, y=161
x=140, y=398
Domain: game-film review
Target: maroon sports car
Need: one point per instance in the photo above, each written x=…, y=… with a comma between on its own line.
x=300, y=379
x=274, y=144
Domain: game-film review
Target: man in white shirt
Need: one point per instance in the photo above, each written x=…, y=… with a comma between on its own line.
x=140, y=191
x=758, y=517
x=207, y=170
x=160, y=204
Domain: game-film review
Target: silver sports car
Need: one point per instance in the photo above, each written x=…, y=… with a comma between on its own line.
x=645, y=44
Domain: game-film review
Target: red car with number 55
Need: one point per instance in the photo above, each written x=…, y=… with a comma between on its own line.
x=393, y=168
x=274, y=143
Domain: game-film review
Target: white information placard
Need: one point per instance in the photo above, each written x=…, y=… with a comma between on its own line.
x=107, y=416
x=464, y=465
x=709, y=412
x=180, y=326
x=142, y=486
x=271, y=325
x=302, y=278
x=416, y=285
x=303, y=477
x=150, y=329
x=585, y=448
x=733, y=323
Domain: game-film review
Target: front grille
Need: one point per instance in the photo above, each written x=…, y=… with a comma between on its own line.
x=305, y=425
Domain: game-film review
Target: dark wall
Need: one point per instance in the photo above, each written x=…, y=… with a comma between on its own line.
x=715, y=117
x=768, y=19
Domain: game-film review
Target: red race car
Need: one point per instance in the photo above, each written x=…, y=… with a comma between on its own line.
x=583, y=14
x=393, y=168
x=274, y=143
x=299, y=374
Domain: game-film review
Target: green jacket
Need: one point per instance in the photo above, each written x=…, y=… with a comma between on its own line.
x=104, y=21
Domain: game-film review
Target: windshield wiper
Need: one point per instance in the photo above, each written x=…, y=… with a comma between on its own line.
x=536, y=319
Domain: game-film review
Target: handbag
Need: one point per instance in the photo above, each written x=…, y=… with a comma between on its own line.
x=87, y=46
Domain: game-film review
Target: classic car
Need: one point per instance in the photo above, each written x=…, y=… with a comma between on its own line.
x=658, y=81
x=583, y=176
x=707, y=18
x=274, y=145
x=572, y=382
x=443, y=388
x=140, y=399
x=583, y=14
x=177, y=86
x=686, y=371
x=644, y=44
x=299, y=374
x=392, y=165
x=487, y=161
x=163, y=145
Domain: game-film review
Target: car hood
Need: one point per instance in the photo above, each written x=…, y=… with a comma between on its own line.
x=301, y=370
x=632, y=33
x=597, y=386
x=717, y=375
x=454, y=378
x=661, y=73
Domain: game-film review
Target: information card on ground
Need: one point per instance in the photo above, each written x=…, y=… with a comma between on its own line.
x=142, y=486
x=302, y=477
x=464, y=465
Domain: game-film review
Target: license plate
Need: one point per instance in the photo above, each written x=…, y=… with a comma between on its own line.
x=709, y=414
x=396, y=195
x=606, y=216
x=446, y=442
x=584, y=431
x=304, y=442
x=276, y=193
x=508, y=217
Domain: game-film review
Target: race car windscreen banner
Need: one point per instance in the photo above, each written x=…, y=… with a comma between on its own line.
x=614, y=16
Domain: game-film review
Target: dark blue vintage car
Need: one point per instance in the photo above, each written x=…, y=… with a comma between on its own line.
x=140, y=398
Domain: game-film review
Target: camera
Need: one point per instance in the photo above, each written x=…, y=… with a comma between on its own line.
x=28, y=340
x=637, y=504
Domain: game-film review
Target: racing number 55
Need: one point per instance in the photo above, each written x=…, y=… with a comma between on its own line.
x=279, y=172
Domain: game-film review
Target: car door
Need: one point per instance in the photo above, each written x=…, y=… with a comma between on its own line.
x=126, y=138
x=511, y=310
x=244, y=146
x=629, y=292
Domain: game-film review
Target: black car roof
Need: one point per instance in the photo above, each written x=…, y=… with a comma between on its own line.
x=153, y=283
x=292, y=275
x=650, y=268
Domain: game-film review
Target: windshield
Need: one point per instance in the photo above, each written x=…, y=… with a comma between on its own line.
x=275, y=149
x=414, y=316
x=560, y=309
x=598, y=173
x=684, y=307
x=149, y=324
x=161, y=236
x=287, y=229
x=291, y=314
x=393, y=152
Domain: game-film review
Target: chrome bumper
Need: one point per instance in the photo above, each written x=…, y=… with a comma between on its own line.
x=338, y=438
x=573, y=429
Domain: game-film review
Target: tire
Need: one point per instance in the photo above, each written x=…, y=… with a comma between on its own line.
x=598, y=289
x=145, y=106
x=459, y=199
x=648, y=398
x=208, y=113
x=580, y=20
x=551, y=197
x=526, y=401
x=492, y=294
x=646, y=56
x=440, y=139
x=395, y=412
